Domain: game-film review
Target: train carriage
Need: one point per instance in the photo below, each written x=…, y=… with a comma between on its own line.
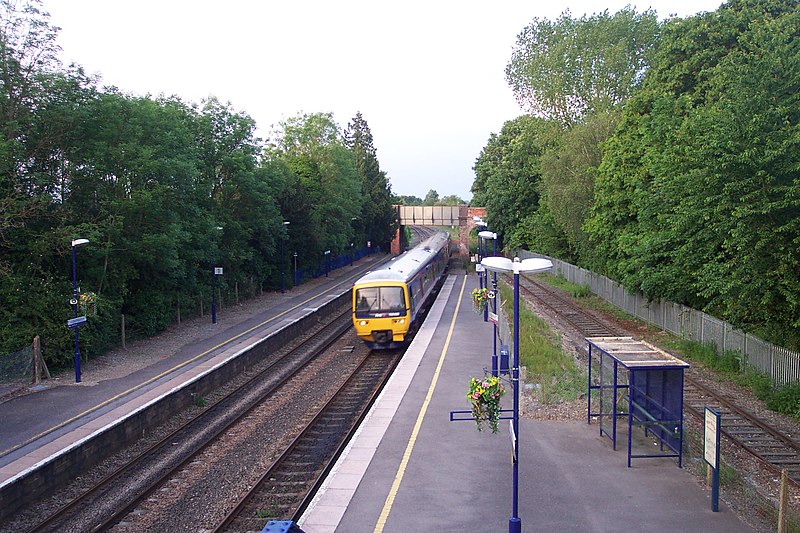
x=387, y=301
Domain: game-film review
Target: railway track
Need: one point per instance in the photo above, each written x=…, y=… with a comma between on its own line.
x=285, y=489
x=775, y=449
x=110, y=500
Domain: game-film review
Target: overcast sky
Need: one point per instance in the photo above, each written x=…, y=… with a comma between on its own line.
x=427, y=76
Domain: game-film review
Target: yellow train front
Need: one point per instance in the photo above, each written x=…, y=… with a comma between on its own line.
x=387, y=301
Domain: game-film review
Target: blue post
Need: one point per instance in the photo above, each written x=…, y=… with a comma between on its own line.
x=480, y=256
x=213, y=290
x=214, y=276
x=486, y=279
x=283, y=286
x=495, y=368
x=515, y=523
x=75, y=311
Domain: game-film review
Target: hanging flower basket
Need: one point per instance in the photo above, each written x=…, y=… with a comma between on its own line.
x=480, y=299
x=88, y=303
x=484, y=396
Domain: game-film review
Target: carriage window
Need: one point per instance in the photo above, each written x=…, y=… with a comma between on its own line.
x=380, y=300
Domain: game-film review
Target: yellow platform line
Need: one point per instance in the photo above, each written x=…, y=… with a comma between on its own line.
x=401, y=470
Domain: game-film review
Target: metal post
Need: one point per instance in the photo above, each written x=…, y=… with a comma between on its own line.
x=214, y=276
x=295, y=270
x=515, y=523
x=495, y=366
x=283, y=286
x=485, y=276
x=75, y=311
x=213, y=291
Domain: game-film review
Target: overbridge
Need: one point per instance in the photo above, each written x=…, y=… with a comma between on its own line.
x=438, y=215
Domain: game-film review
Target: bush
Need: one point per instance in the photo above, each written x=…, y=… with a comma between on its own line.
x=786, y=400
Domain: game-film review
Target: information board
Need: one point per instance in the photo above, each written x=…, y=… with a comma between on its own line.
x=711, y=437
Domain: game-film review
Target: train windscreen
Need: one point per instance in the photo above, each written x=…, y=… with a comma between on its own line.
x=387, y=301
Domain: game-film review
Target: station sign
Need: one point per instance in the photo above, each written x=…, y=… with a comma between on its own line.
x=76, y=322
x=480, y=268
x=711, y=437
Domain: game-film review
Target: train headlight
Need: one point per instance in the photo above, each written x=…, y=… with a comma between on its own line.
x=362, y=323
x=400, y=321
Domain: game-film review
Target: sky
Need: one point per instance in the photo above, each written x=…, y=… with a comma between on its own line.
x=427, y=76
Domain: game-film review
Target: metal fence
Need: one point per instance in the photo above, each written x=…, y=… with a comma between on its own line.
x=17, y=366
x=782, y=365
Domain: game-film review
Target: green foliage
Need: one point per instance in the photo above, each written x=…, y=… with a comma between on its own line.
x=148, y=181
x=432, y=198
x=696, y=199
x=566, y=69
x=560, y=282
x=569, y=170
x=786, y=400
x=378, y=220
x=406, y=200
x=507, y=175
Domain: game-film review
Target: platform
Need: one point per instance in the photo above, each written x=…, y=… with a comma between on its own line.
x=410, y=469
x=37, y=425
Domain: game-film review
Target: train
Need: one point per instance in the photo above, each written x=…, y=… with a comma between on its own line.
x=387, y=301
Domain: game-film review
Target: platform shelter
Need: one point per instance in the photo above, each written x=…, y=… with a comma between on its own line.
x=636, y=380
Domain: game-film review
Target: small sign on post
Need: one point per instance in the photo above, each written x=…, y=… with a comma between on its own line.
x=513, y=441
x=218, y=271
x=75, y=322
x=504, y=358
x=711, y=452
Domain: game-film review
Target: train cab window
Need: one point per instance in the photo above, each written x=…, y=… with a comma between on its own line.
x=380, y=300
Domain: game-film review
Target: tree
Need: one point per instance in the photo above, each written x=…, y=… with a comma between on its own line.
x=432, y=198
x=508, y=175
x=569, y=170
x=451, y=200
x=569, y=68
x=378, y=218
x=697, y=195
x=313, y=148
x=406, y=200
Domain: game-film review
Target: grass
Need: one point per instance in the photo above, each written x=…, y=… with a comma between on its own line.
x=560, y=282
x=541, y=354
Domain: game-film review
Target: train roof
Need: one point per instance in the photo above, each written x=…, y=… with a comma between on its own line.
x=405, y=266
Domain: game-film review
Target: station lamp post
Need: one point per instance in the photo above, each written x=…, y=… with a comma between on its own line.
x=76, y=323
x=283, y=285
x=478, y=268
x=214, y=277
x=295, y=269
x=327, y=255
x=517, y=267
x=352, y=250
x=488, y=235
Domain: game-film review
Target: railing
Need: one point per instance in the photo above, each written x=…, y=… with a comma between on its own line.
x=782, y=365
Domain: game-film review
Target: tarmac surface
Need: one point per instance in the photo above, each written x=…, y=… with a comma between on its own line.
x=410, y=468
